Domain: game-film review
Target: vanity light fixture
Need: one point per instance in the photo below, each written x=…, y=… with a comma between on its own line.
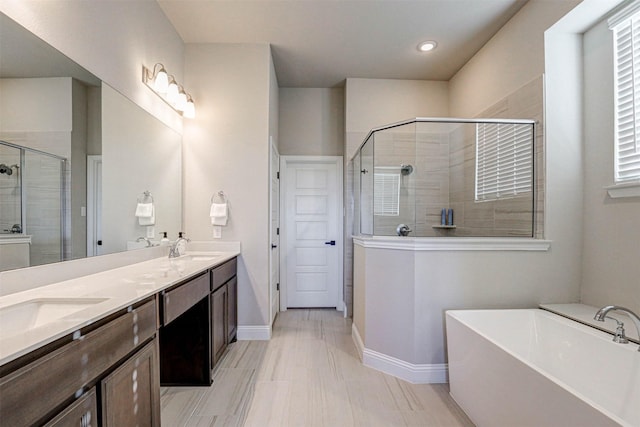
x=427, y=46
x=166, y=87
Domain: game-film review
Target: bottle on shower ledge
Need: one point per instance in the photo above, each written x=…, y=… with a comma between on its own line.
x=450, y=217
x=443, y=217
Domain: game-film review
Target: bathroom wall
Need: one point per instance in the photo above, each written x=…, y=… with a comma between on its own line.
x=610, y=267
x=370, y=103
x=226, y=147
x=513, y=57
x=112, y=40
x=312, y=121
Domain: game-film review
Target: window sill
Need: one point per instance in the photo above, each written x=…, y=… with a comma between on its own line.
x=624, y=190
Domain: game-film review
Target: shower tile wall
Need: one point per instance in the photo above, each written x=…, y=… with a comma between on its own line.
x=510, y=217
x=432, y=180
x=425, y=191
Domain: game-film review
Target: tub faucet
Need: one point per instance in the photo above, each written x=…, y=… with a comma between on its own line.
x=619, y=338
x=174, y=248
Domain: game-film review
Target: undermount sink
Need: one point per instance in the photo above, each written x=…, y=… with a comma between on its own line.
x=208, y=257
x=34, y=313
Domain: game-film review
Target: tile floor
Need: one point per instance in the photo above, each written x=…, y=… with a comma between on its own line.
x=309, y=374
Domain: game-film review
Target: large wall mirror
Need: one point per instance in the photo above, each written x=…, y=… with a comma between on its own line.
x=76, y=157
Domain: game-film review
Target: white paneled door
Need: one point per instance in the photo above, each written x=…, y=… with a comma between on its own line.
x=312, y=213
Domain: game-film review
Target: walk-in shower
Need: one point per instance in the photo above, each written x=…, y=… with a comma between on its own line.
x=446, y=177
x=32, y=202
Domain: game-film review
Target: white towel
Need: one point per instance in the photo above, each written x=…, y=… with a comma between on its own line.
x=149, y=219
x=144, y=210
x=218, y=213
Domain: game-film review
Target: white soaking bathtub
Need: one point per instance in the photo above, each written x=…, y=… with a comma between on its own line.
x=511, y=368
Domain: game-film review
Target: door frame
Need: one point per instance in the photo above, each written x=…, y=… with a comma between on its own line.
x=273, y=152
x=94, y=192
x=284, y=227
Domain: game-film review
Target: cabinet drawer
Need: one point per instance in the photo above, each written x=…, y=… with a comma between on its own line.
x=82, y=412
x=64, y=371
x=182, y=298
x=223, y=273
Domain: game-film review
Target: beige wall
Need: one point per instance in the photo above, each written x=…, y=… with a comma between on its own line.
x=610, y=267
x=312, y=121
x=370, y=103
x=513, y=57
x=226, y=147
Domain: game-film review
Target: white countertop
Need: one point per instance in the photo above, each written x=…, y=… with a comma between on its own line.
x=120, y=288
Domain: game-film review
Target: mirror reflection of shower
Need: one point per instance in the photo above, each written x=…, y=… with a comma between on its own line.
x=32, y=205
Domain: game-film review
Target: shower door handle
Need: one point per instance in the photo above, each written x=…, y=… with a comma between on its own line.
x=332, y=243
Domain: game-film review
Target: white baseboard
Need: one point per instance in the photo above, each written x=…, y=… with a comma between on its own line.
x=254, y=333
x=415, y=374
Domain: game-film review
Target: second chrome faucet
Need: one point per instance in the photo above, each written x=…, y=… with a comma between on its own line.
x=619, y=337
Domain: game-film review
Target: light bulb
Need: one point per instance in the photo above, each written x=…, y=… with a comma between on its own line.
x=190, y=109
x=161, y=82
x=172, y=92
x=181, y=102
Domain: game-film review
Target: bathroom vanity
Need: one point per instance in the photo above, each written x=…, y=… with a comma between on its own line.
x=99, y=346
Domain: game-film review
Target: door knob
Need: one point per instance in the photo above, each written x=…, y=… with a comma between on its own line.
x=273, y=246
x=331, y=242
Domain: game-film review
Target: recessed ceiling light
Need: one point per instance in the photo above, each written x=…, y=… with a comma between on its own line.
x=427, y=46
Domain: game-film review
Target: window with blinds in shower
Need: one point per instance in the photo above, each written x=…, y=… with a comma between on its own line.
x=626, y=38
x=386, y=194
x=504, y=163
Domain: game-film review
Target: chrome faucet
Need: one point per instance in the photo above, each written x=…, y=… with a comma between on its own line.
x=174, y=248
x=140, y=239
x=620, y=336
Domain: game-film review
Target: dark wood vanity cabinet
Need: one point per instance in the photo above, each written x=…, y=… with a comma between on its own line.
x=64, y=382
x=130, y=393
x=218, y=324
x=224, y=311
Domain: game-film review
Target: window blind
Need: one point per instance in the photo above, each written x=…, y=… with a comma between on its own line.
x=626, y=38
x=503, y=160
x=386, y=194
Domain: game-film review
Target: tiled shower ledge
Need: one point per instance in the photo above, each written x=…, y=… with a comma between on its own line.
x=453, y=243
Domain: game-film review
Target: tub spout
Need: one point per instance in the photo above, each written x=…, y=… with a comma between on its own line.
x=602, y=314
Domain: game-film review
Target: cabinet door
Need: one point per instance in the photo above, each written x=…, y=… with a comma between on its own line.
x=131, y=393
x=218, y=323
x=232, y=309
x=81, y=413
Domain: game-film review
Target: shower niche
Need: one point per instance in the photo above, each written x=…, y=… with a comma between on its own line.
x=447, y=177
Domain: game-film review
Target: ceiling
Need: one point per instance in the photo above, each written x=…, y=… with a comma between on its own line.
x=319, y=43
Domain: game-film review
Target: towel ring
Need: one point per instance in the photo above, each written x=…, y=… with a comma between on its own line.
x=145, y=197
x=219, y=197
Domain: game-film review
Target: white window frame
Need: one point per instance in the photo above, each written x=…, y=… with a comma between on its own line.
x=626, y=40
x=504, y=161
